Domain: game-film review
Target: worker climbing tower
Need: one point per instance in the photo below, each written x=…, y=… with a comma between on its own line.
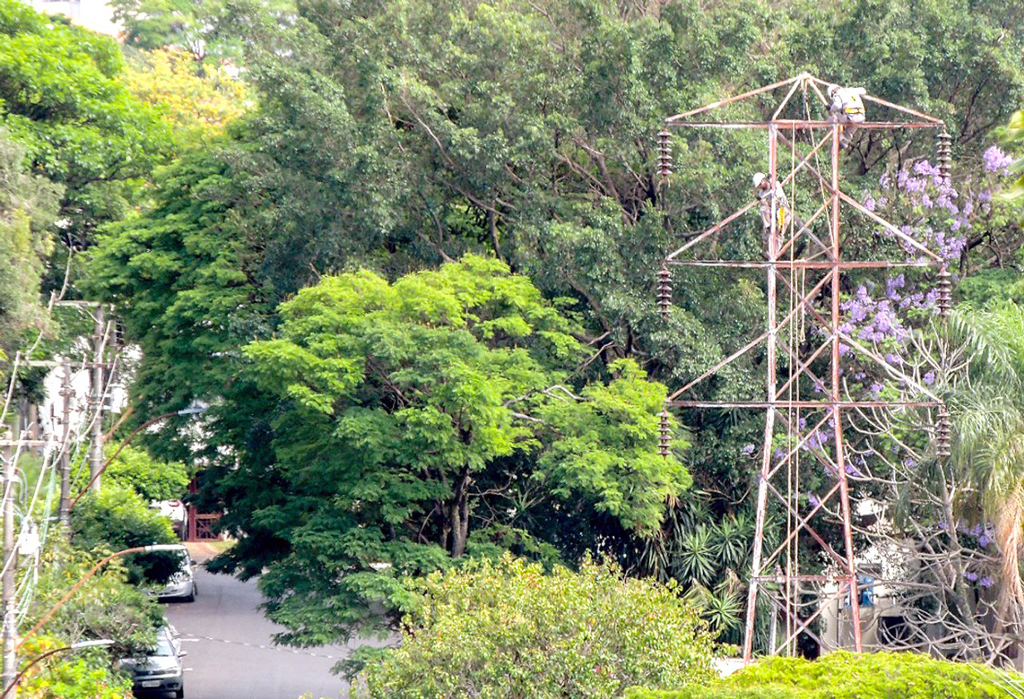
x=811, y=402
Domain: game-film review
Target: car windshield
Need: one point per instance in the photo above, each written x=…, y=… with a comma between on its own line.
x=164, y=648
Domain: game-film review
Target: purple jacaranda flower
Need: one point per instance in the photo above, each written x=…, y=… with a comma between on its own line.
x=859, y=376
x=894, y=283
x=869, y=202
x=893, y=359
x=909, y=463
x=885, y=181
x=779, y=453
x=867, y=333
x=813, y=499
x=970, y=576
x=929, y=378
x=748, y=449
x=986, y=582
x=984, y=540
x=995, y=160
x=923, y=167
x=876, y=388
x=926, y=201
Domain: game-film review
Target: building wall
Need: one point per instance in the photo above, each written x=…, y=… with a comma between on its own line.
x=96, y=15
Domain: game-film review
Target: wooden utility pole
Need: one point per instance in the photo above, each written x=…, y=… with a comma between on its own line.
x=66, y=393
x=96, y=447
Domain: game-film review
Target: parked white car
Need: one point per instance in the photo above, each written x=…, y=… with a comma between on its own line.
x=176, y=512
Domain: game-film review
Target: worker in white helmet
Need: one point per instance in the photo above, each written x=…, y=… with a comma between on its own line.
x=846, y=108
x=766, y=194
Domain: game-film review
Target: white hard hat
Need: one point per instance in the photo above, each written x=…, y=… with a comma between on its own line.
x=832, y=89
x=758, y=178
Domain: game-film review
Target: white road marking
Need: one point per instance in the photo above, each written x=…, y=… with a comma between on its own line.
x=281, y=649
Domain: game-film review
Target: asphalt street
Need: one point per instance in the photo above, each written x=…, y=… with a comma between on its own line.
x=231, y=653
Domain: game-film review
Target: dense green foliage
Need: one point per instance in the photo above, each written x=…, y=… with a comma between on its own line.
x=81, y=127
x=106, y=606
x=843, y=675
x=117, y=518
x=28, y=209
x=413, y=422
x=151, y=478
x=81, y=675
x=508, y=630
x=192, y=26
x=395, y=137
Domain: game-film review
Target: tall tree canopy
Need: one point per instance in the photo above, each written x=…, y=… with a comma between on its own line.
x=394, y=137
x=80, y=126
x=403, y=424
x=28, y=211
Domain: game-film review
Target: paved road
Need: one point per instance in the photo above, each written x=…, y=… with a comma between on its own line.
x=231, y=654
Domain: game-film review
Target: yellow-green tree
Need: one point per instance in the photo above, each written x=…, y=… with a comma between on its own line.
x=194, y=105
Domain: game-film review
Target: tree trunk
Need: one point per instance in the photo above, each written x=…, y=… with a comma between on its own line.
x=459, y=514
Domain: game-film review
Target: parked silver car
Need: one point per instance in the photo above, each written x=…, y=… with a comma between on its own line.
x=158, y=674
x=182, y=583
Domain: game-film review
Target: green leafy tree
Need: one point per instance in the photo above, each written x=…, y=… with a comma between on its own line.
x=196, y=106
x=28, y=210
x=192, y=26
x=397, y=136
x=152, y=479
x=116, y=518
x=419, y=421
x=171, y=274
x=184, y=24
x=507, y=629
x=80, y=126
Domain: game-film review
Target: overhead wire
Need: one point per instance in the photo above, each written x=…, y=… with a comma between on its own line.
x=24, y=505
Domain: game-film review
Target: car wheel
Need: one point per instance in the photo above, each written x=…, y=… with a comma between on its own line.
x=191, y=596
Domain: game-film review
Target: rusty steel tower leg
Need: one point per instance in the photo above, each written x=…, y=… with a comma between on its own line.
x=836, y=396
x=770, y=397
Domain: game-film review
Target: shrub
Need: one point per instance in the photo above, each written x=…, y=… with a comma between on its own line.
x=149, y=477
x=82, y=675
x=106, y=606
x=844, y=675
x=723, y=691
x=117, y=518
x=508, y=630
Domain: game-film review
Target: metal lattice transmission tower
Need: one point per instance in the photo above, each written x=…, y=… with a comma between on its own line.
x=808, y=405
